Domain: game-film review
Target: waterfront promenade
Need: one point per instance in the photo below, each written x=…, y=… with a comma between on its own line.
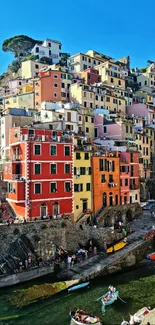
x=101, y=263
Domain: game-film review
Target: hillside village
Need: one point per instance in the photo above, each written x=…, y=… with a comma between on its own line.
x=77, y=132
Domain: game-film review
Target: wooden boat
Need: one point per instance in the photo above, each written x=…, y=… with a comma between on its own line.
x=80, y=318
x=116, y=247
x=79, y=286
x=151, y=256
x=108, y=299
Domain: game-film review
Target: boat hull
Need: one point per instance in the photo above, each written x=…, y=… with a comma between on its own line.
x=116, y=247
x=111, y=301
x=79, y=286
x=79, y=323
x=151, y=256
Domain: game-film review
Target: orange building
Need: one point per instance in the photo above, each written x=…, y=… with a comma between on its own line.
x=52, y=86
x=106, y=180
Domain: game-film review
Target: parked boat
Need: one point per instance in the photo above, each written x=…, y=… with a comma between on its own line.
x=150, y=235
x=79, y=286
x=116, y=247
x=80, y=317
x=109, y=299
x=151, y=256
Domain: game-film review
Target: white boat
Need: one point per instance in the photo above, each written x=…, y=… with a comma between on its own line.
x=140, y=315
x=81, y=318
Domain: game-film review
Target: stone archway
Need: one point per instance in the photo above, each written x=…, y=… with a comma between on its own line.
x=108, y=221
x=129, y=215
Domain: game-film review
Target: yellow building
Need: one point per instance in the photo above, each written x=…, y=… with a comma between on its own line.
x=82, y=177
x=21, y=100
x=111, y=73
x=86, y=122
x=98, y=97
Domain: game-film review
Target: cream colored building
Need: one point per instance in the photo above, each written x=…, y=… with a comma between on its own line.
x=111, y=73
x=30, y=69
x=80, y=61
x=147, y=78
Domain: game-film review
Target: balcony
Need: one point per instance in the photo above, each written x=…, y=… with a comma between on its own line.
x=17, y=177
x=45, y=138
x=112, y=184
x=86, y=148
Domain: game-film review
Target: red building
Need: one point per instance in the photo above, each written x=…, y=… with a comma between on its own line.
x=40, y=173
x=91, y=76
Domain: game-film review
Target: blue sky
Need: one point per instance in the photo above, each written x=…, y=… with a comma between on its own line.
x=115, y=28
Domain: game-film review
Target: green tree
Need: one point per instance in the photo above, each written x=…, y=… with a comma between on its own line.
x=15, y=66
x=19, y=45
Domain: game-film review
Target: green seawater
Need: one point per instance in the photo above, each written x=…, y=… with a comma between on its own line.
x=136, y=287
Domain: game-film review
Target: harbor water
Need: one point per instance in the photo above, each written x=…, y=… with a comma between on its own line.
x=136, y=288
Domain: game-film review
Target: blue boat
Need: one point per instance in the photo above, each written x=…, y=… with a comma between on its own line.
x=79, y=286
x=109, y=299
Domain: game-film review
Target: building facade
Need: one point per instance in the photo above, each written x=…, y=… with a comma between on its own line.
x=39, y=173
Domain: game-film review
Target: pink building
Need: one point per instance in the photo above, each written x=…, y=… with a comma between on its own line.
x=139, y=110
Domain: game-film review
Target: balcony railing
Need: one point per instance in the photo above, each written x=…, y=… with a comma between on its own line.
x=46, y=138
x=83, y=148
x=17, y=177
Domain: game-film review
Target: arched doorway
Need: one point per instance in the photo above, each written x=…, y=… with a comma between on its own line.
x=108, y=221
x=43, y=210
x=110, y=199
x=56, y=208
x=104, y=200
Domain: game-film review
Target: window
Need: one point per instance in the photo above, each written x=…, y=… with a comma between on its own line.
x=85, y=94
x=62, y=85
x=55, y=76
x=85, y=104
x=111, y=80
x=86, y=156
x=92, y=119
x=53, y=187
x=119, y=82
x=77, y=207
x=108, y=99
x=69, y=116
x=82, y=171
x=55, y=95
x=126, y=182
x=63, y=94
x=111, y=180
x=37, y=188
x=49, y=44
x=87, y=130
x=102, y=165
x=78, y=187
x=126, y=128
x=89, y=170
x=67, y=186
x=67, y=169
x=53, y=169
x=36, y=66
x=50, y=52
x=121, y=183
x=130, y=129
x=53, y=150
x=59, y=47
x=37, y=169
x=55, y=85
x=86, y=119
x=67, y=151
x=31, y=133
x=88, y=187
x=103, y=179
x=91, y=105
x=37, y=149
x=96, y=97
x=78, y=156
x=136, y=196
x=104, y=129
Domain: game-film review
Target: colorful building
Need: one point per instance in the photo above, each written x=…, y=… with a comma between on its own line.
x=82, y=176
x=30, y=69
x=111, y=73
x=91, y=76
x=40, y=173
x=105, y=179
